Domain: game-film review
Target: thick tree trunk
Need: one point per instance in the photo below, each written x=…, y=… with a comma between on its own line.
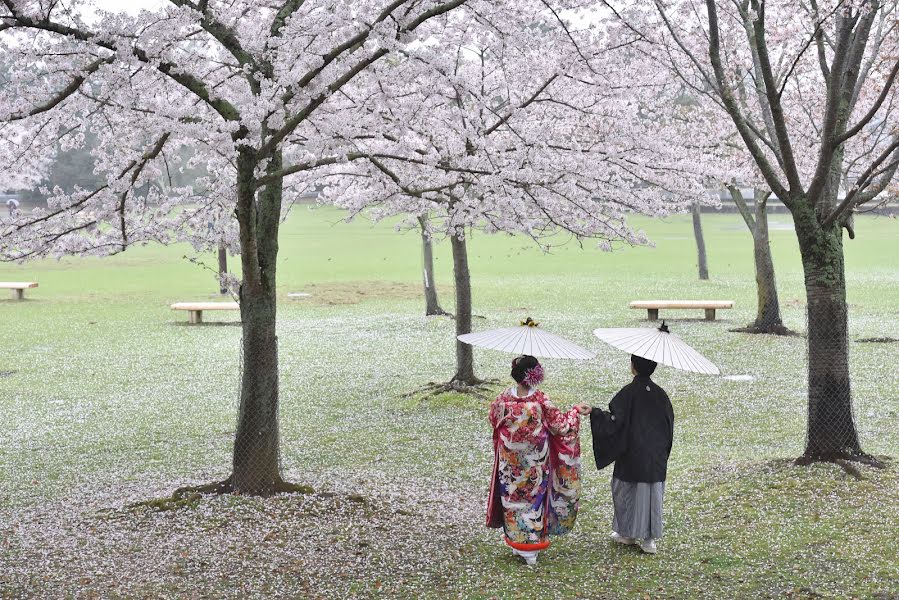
x=464, y=353
x=432, y=304
x=256, y=460
x=831, y=432
x=700, y=243
x=223, y=269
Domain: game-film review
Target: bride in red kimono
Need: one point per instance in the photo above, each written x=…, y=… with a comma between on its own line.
x=536, y=482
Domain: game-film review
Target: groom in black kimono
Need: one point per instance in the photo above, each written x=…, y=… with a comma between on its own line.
x=636, y=434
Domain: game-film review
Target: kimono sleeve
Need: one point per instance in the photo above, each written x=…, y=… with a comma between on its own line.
x=669, y=413
x=558, y=422
x=610, y=430
x=497, y=412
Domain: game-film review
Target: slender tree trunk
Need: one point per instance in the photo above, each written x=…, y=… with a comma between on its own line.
x=223, y=269
x=700, y=242
x=432, y=304
x=256, y=464
x=831, y=429
x=464, y=352
x=767, y=318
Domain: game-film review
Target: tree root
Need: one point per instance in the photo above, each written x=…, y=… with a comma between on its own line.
x=845, y=460
x=850, y=469
x=755, y=328
x=475, y=388
x=190, y=496
x=285, y=487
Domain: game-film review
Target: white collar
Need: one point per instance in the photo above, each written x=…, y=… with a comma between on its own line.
x=514, y=392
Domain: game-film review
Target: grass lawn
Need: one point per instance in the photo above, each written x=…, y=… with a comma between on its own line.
x=108, y=398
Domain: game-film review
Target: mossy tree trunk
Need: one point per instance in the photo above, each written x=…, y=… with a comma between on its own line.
x=831, y=430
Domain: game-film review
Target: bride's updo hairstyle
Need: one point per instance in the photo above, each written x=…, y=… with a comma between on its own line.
x=527, y=370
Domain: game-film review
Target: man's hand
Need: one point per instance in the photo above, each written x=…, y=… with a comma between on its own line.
x=583, y=409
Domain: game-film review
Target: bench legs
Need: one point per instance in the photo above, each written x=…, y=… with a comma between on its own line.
x=195, y=316
x=710, y=314
x=653, y=314
x=18, y=294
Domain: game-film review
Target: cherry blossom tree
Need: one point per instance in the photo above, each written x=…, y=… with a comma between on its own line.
x=709, y=135
x=511, y=128
x=809, y=88
x=253, y=90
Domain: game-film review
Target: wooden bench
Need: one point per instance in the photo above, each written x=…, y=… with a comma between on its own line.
x=18, y=288
x=710, y=306
x=195, y=309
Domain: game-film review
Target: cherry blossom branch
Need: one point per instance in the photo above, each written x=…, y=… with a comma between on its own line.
x=730, y=103
x=146, y=158
x=194, y=85
x=523, y=105
x=140, y=163
x=221, y=33
x=832, y=109
x=887, y=86
x=64, y=93
x=858, y=195
x=285, y=12
x=818, y=28
x=777, y=114
x=293, y=122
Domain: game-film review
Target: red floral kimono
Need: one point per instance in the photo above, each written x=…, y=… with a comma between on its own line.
x=536, y=482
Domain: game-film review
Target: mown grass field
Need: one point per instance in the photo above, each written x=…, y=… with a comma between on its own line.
x=108, y=399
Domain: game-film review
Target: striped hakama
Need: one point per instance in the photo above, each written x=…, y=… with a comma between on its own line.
x=638, y=509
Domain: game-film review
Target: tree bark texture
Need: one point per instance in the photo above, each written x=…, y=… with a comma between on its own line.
x=464, y=352
x=831, y=431
x=223, y=269
x=700, y=243
x=432, y=304
x=767, y=318
x=256, y=467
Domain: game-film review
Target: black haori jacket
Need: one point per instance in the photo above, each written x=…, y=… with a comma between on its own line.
x=636, y=433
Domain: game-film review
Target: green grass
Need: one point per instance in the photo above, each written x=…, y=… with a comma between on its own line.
x=114, y=400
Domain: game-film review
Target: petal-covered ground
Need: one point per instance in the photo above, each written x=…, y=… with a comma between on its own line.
x=108, y=399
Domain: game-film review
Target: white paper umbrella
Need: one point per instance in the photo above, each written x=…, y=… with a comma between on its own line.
x=658, y=344
x=527, y=339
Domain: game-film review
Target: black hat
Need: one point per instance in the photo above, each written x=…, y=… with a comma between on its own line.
x=643, y=366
